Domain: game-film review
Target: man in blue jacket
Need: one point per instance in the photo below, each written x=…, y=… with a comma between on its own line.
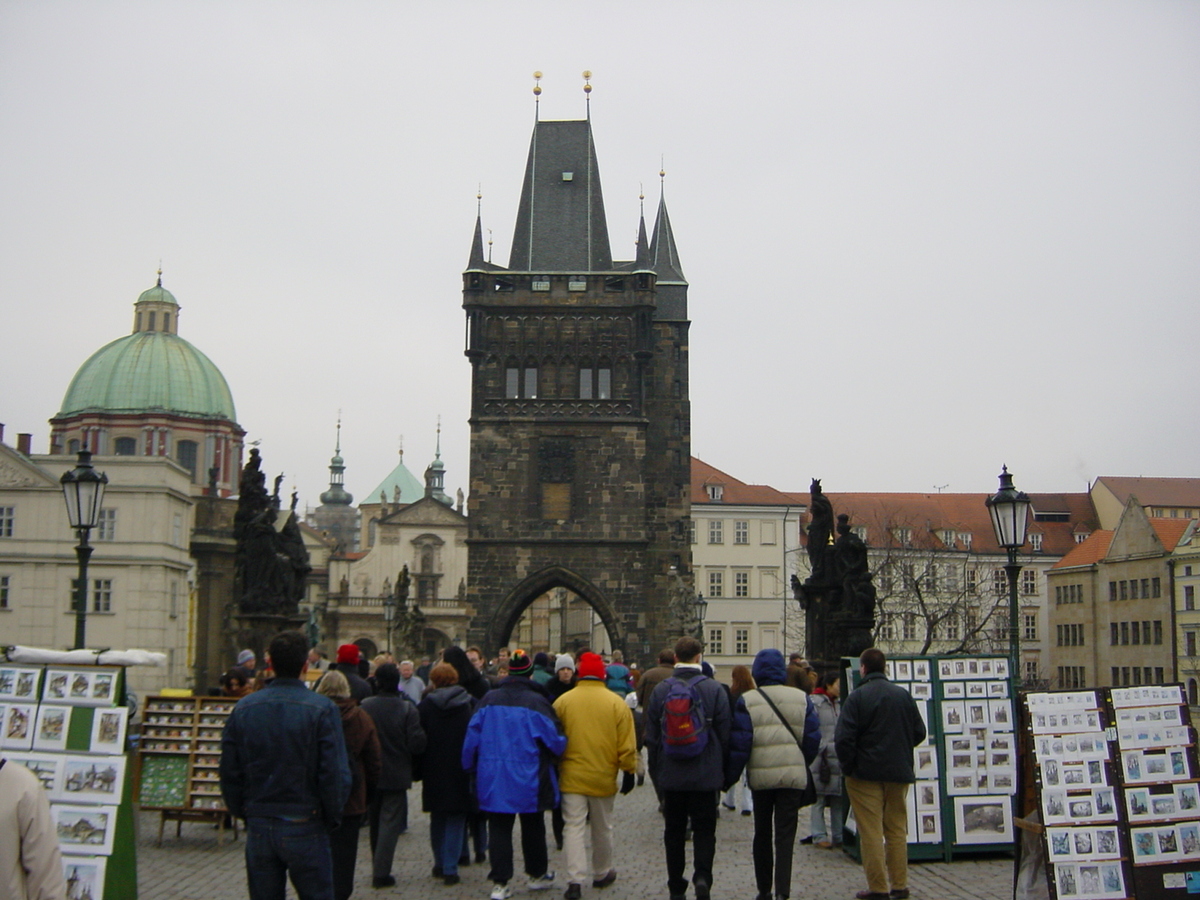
x=514, y=741
x=284, y=770
x=874, y=739
x=690, y=785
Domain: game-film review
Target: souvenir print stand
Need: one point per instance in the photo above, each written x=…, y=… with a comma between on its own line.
x=966, y=768
x=179, y=760
x=68, y=724
x=1119, y=791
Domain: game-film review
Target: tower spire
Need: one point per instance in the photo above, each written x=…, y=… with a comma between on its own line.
x=477, y=260
x=537, y=97
x=587, y=92
x=664, y=257
x=642, y=259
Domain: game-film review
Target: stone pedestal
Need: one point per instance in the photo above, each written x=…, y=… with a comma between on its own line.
x=254, y=631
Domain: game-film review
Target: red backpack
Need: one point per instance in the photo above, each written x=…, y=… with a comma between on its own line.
x=684, y=725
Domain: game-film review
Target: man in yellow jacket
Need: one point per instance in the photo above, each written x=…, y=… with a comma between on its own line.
x=600, y=741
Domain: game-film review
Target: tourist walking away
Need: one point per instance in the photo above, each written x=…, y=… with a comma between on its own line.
x=600, y=743
x=513, y=744
x=284, y=770
x=740, y=681
x=620, y=678
x=30, y=863
x=875, y=736
x=445, y=785
x=825, y=770
x=348, y=659
x=365, y=758
x=787, y=736
x=687, y=726
x=401, y=737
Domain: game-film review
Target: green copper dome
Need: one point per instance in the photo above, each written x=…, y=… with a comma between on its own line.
x=150, y=370
x=157, y=294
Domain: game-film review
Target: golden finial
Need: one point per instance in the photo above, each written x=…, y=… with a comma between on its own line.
x=479, y=200
x=160, y=273
x=537, y=87
x=641, y=191
x=587, y=81
x=662, y=166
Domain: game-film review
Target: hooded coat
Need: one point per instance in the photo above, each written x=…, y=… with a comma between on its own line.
x=362, y=752
x=470, y=679
x=600, y=739
x=776, y=760
x=445, y=785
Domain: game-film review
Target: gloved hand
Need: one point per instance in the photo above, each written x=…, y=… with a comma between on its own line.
x=627, y=780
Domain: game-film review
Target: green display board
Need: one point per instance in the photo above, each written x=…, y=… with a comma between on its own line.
x=163, y=782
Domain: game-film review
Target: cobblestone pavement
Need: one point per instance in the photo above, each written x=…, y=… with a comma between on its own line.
x=192, y=867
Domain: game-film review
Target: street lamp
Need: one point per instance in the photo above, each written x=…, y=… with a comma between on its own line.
x=389, y=613
x=701, y=609
x=83, y=490
x=1009, y=509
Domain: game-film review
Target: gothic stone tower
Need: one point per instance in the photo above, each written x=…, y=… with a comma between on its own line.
x=580, y=420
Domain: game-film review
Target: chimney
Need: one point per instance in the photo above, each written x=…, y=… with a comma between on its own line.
x=24, y=443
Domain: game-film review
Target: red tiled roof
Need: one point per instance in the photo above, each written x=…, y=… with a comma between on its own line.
x=735, y=492
x=1170, y=531
x=1091, y=551
x=1170, y=492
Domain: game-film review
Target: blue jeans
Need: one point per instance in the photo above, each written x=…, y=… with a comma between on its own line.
x=834, y=802
x=446, y=832
x=276, y=849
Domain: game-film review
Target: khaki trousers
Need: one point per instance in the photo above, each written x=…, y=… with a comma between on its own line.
x=879, y=810
x=579, y=811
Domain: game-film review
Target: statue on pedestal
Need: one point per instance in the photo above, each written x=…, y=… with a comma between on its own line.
x=272, y=561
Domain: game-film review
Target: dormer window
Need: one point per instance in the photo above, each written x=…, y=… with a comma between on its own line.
x=965, y=538
x=715, y=492
x=1081, y=536
x=948, y=539
x=1035, y=541
x=903, y=536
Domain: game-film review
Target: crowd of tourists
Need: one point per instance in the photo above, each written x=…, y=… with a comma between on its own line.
x=498, y=744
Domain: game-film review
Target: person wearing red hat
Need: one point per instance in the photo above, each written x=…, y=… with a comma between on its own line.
x=348, y=656
x=600, y=742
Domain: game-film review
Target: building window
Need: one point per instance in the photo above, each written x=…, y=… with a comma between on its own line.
x=909, y=623
x=741, y=532
x=716, y=641
x=125, y=446
x=1113, y=634
x=1031, y=671
x=1189, y=596
x=1189, y=643
x=1029, y=581
x=1133, y=589
x=716, y=531
x=1081, y=536
x=102, y=595
x=531, y=382
x=885, y=630
x=715, y=491
x=692, y=531
x=106, y=525
x=999, y=582
x=185, y=453
x=950, y=628
x=741, y=641
x=931, y=578
x=5, y=587
x=972, y=580
x=716, y=584
x=1124, y=587
x=903, y=536
x=1035, y=541
x=1156, y=587
x=7, y=516
x=1135, y=632
x=1112, y=591
x=1124, y=634
x=741, y=584
x=1158, y=631
x=1030, y=628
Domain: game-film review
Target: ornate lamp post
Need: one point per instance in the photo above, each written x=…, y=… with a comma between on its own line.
x=1009, y=509
x=83, y=490
x=389, y=615
x=701, y=609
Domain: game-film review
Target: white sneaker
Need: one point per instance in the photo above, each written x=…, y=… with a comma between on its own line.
x=542, y=884
x=500, y=891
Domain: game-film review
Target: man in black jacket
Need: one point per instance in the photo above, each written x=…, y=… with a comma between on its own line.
x=876, y=733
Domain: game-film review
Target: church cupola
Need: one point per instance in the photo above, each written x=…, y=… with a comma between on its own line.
x=435, y=474
x=156, y=310
x=337, y=495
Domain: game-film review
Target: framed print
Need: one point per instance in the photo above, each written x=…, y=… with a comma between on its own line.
x=1000, y=668
x=1001, y=782
x=997, y=689
x=972, y=667
x=1189, y=840
x=1051, y=776
x=16, y=725
x=1163, y=806
x=80, y=687
x=92, y=779
x=954, y=690
x=920, y=670
x=1002, y=741
x=889, y=670
x=962, y=761
x=1089, y=880
x=961, y=744
x=925, y=762
x=1137, y=804
x=1187, y=799
x=1131, y=764
x=1060, y=844
x=929, y=827
x=952, y=717
x=1000, y=714
x=18, y=683
x=1095, y=772
x=1145, y=845
x=1108, y=844
x=1105, y=805
x=50, y=732
x=926, y=794
x=47, y=767
x=976, y=714
x=960, y=783
x=903, y=670
x=922, y=690
x=103, y=684
x=1168, y=843
x=84, y=830
x=976, y=689
x=983, y=820
x=84, y=876
x=1073, y=775
x=108, y=730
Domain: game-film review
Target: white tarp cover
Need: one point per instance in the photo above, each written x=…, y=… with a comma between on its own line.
x=42, y=657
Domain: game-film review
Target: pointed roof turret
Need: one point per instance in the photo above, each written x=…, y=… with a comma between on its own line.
x=477, y=261
x=561, y=225
x=642, y=260
x=664, y=256
x=337, y=494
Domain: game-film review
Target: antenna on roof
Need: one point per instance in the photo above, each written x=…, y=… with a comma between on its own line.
x=940, y=487
x=537, y=95
x=587, y=91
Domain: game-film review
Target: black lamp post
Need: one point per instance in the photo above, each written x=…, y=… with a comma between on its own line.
x=701, y=610
x=1009, y=509
x=389, y=615
x=83, y=490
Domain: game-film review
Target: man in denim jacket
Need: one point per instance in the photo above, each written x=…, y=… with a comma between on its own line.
x=284, y=770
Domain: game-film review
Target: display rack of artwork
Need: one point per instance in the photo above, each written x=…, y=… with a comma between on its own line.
x=67, y=724
x=179, y=759
x=966, y=768
x=1119, y=790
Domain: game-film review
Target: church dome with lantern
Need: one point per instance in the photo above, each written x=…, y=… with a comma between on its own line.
x=151, y=393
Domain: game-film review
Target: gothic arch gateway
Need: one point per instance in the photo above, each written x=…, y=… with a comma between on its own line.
x=580, y=418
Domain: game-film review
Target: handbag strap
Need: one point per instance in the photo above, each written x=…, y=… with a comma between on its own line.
x=779, y=715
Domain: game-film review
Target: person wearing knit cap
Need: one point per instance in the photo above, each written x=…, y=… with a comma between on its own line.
x=600, y=742
x=564, y=676
x=513, y=744
x=348, y=656
x=542, y=673
x=245, y=659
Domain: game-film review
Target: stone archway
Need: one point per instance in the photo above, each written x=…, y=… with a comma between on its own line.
x=508, y=612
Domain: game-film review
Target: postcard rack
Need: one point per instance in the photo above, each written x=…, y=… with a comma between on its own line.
x=179, y=760
x=1119, y=792
x=966, y=769
x=67, y=724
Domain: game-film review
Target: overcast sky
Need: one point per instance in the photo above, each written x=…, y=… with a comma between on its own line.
x=923, y=238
